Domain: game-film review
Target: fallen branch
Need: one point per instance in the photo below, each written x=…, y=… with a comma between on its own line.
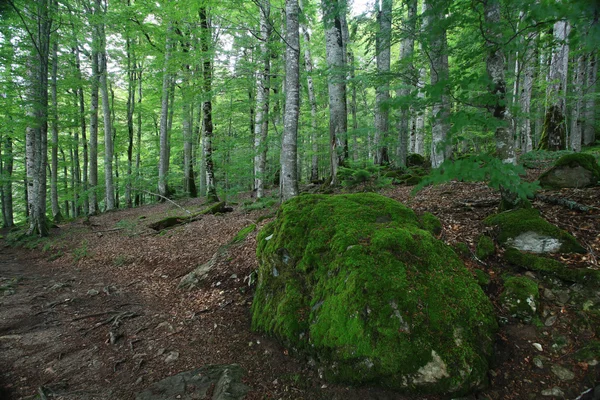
x=94, y=315
x=115, y=320
x=573, y=205
x=167, y=199
x=180, y=220
x=109, y=230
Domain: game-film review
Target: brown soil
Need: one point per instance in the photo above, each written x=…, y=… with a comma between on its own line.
x=94, y=312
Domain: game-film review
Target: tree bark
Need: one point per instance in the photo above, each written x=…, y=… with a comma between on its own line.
x=95, y=84
x=261, y=122
x=164, y=156
x=575, y=136
x=82, y=127
x=206, y=44
x=526, y=90
x=554, y=129
x=407, y=85
x=338, y=124
x=382, y=95
x=131, y=89
x=589, y=132
x=289, y=143
x=438, y=55
x=56, y=214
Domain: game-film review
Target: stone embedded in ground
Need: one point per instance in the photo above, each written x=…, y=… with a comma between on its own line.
x=555, y=391
x=572, y=171
x=562, y=373
x=217, y=382
x=520, y=297
x=524, y=229
x=172, y=357
x=367, y=293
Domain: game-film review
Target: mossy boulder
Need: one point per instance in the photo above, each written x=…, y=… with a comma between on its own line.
x=524, y=229
x=572, y=171
x=431, y=223
x=520, y=297
x=417, y=160
x=355, y=283
x=485, y=247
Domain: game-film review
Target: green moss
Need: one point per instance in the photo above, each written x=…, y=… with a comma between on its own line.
x=355, y=281
x=591, y=351
x=243, y=233
x=515, y=222
x=485, y=247
x=431, y=223
x=482, y=277
x=462, y=249
x=551, y=267
x=587, y=161
x=520, y=297
x=415, y=159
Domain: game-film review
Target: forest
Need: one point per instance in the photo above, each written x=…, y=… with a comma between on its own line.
x=109, y=105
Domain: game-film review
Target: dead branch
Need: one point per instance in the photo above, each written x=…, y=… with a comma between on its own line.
x=570, y=204
x=94, y=315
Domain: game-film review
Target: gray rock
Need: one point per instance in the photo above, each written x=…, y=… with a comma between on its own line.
x=567, y=176
x=551, y=320
x=562, y=373
x=549, y=294
x=172, y=357
x=538, y=362
x=555, y=391
x=93, y=292
x=562, y=296
x=535, y=243
x=225, y=380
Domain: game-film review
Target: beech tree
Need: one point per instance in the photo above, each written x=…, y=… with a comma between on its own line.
x=383, y=45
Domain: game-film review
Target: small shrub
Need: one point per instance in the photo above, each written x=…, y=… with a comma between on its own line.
x=243, y=233
x=485, y=247
x=81, y=252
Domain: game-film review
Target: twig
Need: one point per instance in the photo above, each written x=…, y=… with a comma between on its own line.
x=167, y=199
x=573, y=205
x=109, y=230
x=115, y=320
x=121, y=361
x=94, y=315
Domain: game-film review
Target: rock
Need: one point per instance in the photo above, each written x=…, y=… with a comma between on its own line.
x=359, y=283
x=217, y=382
x=555, y=391
x=572, y=171
x=562, y=296
x=538, y=347
x=548, y=294
x=166, y=326
x=550, y=320
x=93, y=292
x=538, y=362
x=520, y=297
x=172, y=357
x=562, y=373
x=524, y=229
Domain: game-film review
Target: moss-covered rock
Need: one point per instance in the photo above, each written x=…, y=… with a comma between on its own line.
x=526, y=230
x=573, y=170
x=416, y=160
x=354, y=282
x=485, y=247
x=483, y=278
x=520, y=297
x=431, y=223
x=552, y=268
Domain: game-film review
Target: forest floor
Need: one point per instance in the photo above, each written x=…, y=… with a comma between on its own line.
x=94, y=311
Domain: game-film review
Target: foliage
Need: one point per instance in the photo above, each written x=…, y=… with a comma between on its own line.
x=243, y=233
x=368, y=175
x=482, y=168
x=485, y=247
x=542, y=158
x=81, y=252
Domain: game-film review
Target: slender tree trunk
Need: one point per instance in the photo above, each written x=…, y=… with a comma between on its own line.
x=406, y=53
x=138, y=195
x=95, y=83
x=261, y=124
x=575, y=136
x=589, y=132
x=56, y=215
x=382, y=95
x=65, y=179
x=289, y=143
x=526, y=91
x=338, y=123
x=438, y=55
x=308, y=66
x=37, y=111
x=76, y=165
x=163, y=163
x=131, y=73
x=554, y=130
x=6, y=174
x=206, y=44
x=83, y=128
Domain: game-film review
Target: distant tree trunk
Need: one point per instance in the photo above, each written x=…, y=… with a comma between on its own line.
x=526, y=90
x=289, y=143
x=131, y=82
x=419, y=119
x=261, y=123
x=37, y=111
x=338, y=124
x=495, y=65
x=438, y=55
x=56, y=214
x=95, y=84
x=76, y=175
x=575, y=136
x=138, y=195
x=308, y=66
x=383, y=43
x=589, y=132
x=406, y=53
x=163, y=162
x=66, y=178
x=206, y=43
x=82, y=125
x=554, y=129
x=6, y=171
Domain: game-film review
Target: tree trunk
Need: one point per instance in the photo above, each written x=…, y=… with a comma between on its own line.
x=406, y=53
x=37, y=111
x=526, y=90
x=138, y=195
x=76, y=166
x=589, y=132
x=163, y=162
x=82, y=127
x=289, y=142
x=261, y=124
x=56, y=214
x=575, y=136
x=495, y=65
x=95, y=83
x=438, y=55
x=131, y=82
x=6, y=174
x=338, y=124
x=382, y=95
x=554, y=129
x=206, y=44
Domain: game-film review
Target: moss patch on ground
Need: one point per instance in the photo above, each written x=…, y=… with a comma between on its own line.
x=485, y=247
x=551, y=267
x=513, y=223
x=358, y=284
x=520, y=297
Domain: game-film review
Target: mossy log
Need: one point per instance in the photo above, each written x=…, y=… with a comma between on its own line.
x=170, y=222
